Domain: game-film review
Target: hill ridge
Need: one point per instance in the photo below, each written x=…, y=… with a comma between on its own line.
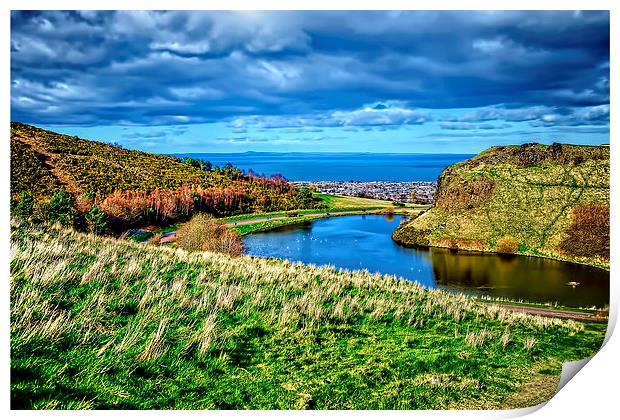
x=133, y=187
x=531, y=195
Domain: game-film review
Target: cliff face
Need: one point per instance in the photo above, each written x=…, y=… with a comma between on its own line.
x=531, y=199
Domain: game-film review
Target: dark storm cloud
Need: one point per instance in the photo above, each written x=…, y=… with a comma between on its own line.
x=537, y=116
x=165, y=133
x=306, y=68
x=456, y=125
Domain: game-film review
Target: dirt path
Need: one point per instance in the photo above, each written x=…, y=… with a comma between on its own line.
x=61, y=177
x=555, y=313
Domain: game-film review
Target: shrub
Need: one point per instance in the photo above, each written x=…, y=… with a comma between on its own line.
x=506, y=245
x=96, y=220
x=61, y=209
x=24, y=207
x=305, y=197
x=155, y=239
x=40, y=210
x=204, y=233
x=173, y=189
x=588, y=233
x=291, y=213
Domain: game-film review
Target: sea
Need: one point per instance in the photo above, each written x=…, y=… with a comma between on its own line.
x=365, y=167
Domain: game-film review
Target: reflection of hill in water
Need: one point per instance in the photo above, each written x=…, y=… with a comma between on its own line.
x=470, y=270
x=305, y=225
x=518, y=276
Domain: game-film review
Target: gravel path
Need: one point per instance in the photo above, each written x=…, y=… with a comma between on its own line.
x=555, y=313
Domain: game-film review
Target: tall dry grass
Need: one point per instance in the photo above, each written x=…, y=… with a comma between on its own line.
x=165, y=296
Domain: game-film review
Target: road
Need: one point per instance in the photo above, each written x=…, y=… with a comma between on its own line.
x=554, y=313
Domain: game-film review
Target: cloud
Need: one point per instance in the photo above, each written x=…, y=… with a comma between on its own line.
x=315, y=68
x=157, y=134
x=455, y=125
x=378, y=114
x=538, y=116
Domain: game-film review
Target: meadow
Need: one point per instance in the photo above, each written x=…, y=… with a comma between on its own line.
x=104, y=323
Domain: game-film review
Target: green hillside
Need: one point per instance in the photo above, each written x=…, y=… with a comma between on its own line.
x=90, y=166
x=134, y=187
x=99, y=323
x=531, y=199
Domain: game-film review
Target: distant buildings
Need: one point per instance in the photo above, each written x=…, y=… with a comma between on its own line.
x=408, y=192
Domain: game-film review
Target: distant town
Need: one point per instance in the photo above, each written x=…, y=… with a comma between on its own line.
x=417, y=192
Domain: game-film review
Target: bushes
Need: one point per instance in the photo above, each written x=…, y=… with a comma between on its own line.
x=204, y=233
x=588, y=233
x=96, y=220
x=24, y=207
x=61, y=209
x=132, y=208
x=29, y=172
x=137, y=182
x=506, y=245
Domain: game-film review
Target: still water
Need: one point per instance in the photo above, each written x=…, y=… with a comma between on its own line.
x=364, y=242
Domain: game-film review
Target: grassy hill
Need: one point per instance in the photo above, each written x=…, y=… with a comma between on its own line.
x=90, y=166
x=103, y=323
x=531, y=199
x=134, y=187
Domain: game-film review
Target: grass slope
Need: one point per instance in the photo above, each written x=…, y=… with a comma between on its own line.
x=351, y=203
x=81, y=165
x=103, y=323
x=524, y=193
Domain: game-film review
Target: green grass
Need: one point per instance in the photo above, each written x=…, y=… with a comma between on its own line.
x=101, y=323
x=355, y=203
x=332, y=203
x=250, y=216
x=248, y=228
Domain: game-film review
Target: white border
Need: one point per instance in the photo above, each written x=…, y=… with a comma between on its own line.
x=591, y=394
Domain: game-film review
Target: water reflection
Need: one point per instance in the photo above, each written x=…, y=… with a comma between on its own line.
x=364, y=242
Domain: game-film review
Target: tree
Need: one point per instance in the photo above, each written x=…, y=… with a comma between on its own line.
x=305, y=196
x=61, y=208
x=205, y=165
x=416, y=198
x=23, y=209
x=96, y=220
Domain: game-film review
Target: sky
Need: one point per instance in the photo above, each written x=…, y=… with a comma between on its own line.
x=317, y=81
